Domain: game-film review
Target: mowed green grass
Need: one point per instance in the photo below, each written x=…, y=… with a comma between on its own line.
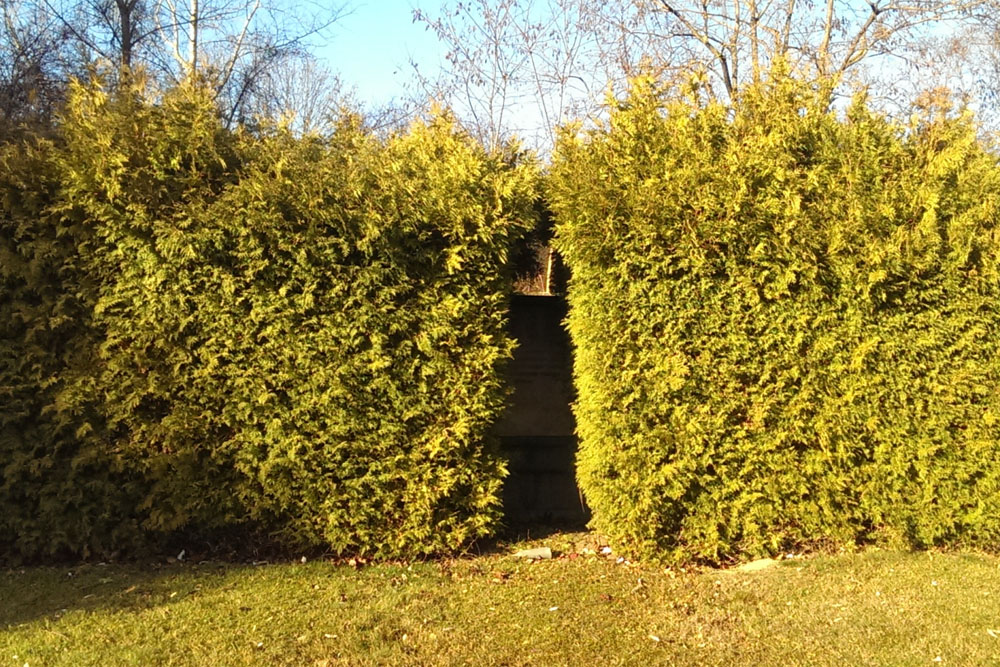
x=872, y=608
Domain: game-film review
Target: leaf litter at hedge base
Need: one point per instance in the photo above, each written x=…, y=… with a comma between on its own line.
x=872, y=607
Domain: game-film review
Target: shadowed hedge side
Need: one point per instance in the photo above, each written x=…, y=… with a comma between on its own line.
x=301, y=333
x=59, y=494
x=786, y=324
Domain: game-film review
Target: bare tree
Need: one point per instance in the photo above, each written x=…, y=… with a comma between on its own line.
x=34, y=61
x=513, y=65
x=230, y=44
x=962, y=65
x=736, y=41
x=516, y=67
x=307, y=94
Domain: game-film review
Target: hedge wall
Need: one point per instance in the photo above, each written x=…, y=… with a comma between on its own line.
x=302, y=334
x=787, y=324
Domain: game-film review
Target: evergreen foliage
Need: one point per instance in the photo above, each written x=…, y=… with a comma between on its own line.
x=786, y=322
x=302, y=333
x=58, y=496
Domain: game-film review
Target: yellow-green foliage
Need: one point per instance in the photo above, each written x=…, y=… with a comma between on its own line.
x=786, y=325
x=301, y=333
x=57, y=495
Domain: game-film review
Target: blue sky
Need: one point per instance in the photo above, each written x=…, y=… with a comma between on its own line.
x=370, y=47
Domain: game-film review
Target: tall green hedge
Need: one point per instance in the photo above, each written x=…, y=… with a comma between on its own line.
x=786, y=322
x=304, y=334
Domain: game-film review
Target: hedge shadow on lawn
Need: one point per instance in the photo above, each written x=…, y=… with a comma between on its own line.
x=34, y=593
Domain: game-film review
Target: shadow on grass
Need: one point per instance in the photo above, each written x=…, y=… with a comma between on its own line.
x=29, y=594
x=539, y=530
x=513, y=537
x=33, y=593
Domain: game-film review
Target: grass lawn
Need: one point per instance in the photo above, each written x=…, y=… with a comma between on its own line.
x=873, y=608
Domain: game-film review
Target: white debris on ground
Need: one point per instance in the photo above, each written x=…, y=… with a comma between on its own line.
x=541, y=553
